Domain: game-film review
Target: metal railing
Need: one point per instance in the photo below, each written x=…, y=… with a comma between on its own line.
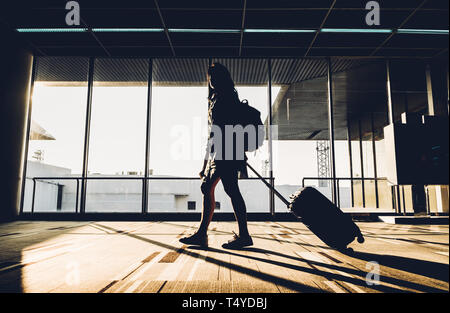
x=79, y=179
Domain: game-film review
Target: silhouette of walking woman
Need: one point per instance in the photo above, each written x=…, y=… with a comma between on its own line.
x=223, y=107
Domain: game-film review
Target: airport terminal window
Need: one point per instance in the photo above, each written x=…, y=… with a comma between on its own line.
x=55, y=146
x=300, y=111
x=178, y=132
x=360, y=112
x=178, y=121
x=117, y=134
x=251, y=79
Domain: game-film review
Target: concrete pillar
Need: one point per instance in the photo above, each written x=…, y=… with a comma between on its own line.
x=437, y=87
x=15, y=85
x=438, y=96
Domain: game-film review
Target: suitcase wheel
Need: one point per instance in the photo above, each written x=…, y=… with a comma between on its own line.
x=360, y=238
x=345, y=250
x=348, y=251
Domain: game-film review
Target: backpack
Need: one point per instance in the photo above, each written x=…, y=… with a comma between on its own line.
x=248, y=115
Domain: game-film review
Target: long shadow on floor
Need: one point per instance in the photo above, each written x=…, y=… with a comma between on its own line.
x=360, y=280
x=428, y=269
x=290, y=284
x=294, y=285
x=425, y=268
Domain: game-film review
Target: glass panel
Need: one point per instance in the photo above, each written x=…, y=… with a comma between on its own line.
x=117, y=135
x=407, y=200
x=368, y=155
x=343, y=171
x=57, y=131
x=178, y=134
x=114, y=195
x=54, y=195
x=356, y=164
x=184, y=196
x=178, y=118
x=360, y=111
x=385, y=195
x=251, y=81
x=179, y=131
x=300, y=111
x=438, y=198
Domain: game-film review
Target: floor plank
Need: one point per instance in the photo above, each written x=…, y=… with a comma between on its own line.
x=131, y=257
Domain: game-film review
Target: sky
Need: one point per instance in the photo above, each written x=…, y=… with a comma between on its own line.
x=178, y=132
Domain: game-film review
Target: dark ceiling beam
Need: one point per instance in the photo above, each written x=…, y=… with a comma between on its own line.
x=320, y=28
x=95, y=37
x=235, y=46
x=6, y=25
x=233, y=9
x=400, y=26
x=166, y=31
x=244, y=10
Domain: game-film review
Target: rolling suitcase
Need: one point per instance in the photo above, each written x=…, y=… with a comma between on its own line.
x=321, y=216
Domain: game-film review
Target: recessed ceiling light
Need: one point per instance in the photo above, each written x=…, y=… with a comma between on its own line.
x=199, y=30
x=128, y=30
x=423, y=31
x=279, y=31
x=51, y=30
x=356, y=30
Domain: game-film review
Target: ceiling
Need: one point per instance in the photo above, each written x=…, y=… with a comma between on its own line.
x=247, y=23
x=187, y=71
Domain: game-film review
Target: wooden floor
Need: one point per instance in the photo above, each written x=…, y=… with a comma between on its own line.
x=286, y=257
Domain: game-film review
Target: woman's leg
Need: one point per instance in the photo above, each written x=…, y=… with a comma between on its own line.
x=209, y=204
x=231, y=187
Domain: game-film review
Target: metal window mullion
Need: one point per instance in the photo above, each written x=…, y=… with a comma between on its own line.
x=27, y=139
x=362, y=164
x=145, y=182
x=390, y=116
x=331, y=130
x=269, y=107
x=390, y=110
x=375, y=172
x=351, y=161
x=87, y=135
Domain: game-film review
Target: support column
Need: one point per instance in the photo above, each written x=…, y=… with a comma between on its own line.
x=437, y=87
x=389, y=93
x=15, y=87
x=438, y=99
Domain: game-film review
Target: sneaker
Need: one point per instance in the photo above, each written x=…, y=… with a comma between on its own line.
x=196, y=240
x=238, y=242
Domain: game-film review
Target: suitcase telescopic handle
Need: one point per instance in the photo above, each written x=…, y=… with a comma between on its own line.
x=269, y=186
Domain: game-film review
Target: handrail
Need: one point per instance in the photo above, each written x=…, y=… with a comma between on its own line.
x=80, y=178
x=127, y=178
